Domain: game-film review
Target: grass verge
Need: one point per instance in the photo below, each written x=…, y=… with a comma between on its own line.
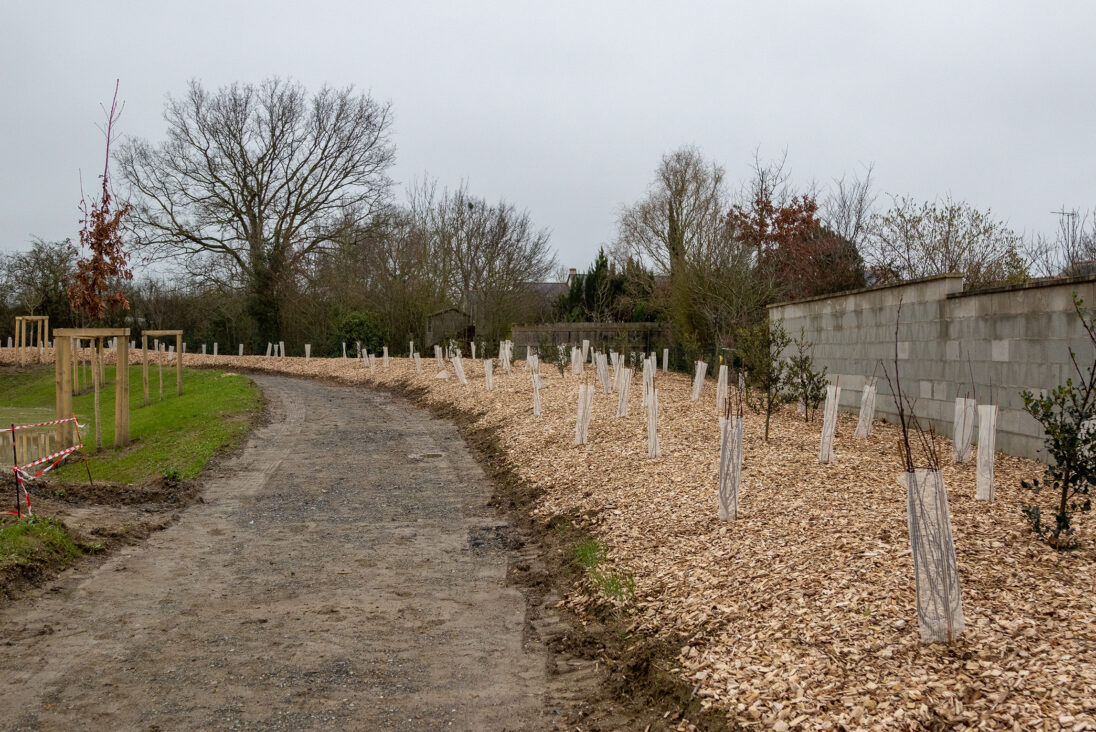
x=171, y=438
x=30, y=544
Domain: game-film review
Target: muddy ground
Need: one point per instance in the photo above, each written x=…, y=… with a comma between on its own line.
x=351, y=567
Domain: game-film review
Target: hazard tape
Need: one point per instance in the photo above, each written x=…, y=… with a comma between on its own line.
x=22, y=470
x=40, y=424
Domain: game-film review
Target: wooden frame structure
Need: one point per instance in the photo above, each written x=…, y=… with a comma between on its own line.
x=41, y=327
x=63, y=379
x=145, y=335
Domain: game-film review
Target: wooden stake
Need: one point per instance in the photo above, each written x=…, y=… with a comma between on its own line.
x=98, y=421
x=144, y=365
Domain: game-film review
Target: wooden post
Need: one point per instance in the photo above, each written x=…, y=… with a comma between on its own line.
x=160, y=368
x=63, y=386
x=144, y=365
x=121, y=395
x=75, y=367
x=97, y=383
x=179, y=363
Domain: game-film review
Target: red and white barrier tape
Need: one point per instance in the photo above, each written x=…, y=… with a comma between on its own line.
x=40, y=424
x=59, y=455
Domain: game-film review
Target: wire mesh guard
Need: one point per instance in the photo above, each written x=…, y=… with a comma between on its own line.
x=698, y=380
x=939, y=596
x=730, y=467
x=867, y=411
x=963, y=424
x=829, y=423
x=654, y=450
x=987, y=439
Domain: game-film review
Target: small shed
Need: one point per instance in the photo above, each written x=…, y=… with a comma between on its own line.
x=449, y=323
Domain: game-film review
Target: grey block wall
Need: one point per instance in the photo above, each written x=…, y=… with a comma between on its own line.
x=991, y=344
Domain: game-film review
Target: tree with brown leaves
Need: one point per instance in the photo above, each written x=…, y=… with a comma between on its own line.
x=95, y=289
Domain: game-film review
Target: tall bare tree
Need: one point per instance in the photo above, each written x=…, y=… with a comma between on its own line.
x=489, y=254
x=254, y=178
x=848, y=208
x=681, y=214
x=679, y=219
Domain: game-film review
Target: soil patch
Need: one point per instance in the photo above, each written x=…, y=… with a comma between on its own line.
x=639, y=686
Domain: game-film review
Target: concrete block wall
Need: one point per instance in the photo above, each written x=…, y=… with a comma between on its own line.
x=991, y=344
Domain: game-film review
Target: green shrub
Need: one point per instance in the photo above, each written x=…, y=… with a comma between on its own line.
x=1067, y=415
x=353, y=327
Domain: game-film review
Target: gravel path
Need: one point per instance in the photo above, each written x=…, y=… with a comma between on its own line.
x=345, y=571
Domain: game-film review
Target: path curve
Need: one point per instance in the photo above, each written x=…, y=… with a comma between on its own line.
x=344, y=571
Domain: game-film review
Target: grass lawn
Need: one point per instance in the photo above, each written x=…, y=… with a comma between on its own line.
x=176, y=436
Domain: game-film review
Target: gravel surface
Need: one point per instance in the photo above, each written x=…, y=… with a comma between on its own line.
x=344, y=571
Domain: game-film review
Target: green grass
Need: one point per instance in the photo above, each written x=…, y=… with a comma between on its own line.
x=175, y=436
x=35, y=540
x=590, y=555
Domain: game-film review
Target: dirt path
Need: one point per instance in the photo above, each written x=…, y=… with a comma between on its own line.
x=345, y=571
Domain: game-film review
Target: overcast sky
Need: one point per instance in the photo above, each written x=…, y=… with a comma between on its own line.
x=565, y=108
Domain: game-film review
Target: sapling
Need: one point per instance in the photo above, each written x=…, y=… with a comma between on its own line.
x=760, y=349
x=558, y=355
x=939, y=595
x=806, y=385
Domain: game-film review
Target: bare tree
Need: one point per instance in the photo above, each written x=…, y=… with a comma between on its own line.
x=490, y=253
x=918, y=239
x=1073, y=245
x=679, y=219
x=728, y=289
x=848, y=208
x=254, y=178
x=681, y=214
